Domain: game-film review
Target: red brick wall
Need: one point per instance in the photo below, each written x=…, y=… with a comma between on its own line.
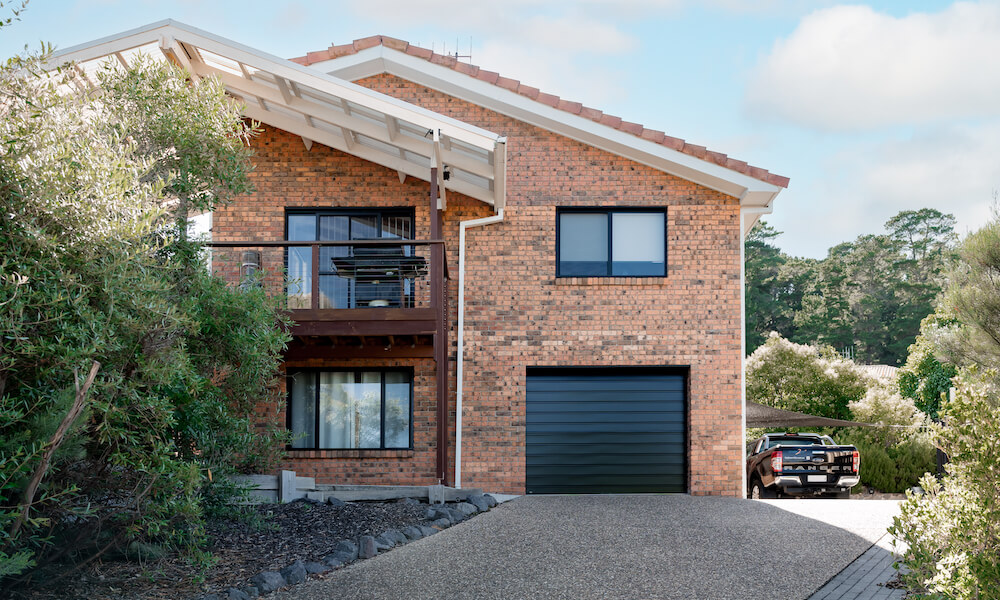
x=517, y=313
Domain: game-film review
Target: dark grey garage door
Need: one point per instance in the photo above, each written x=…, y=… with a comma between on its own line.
x=605, y=431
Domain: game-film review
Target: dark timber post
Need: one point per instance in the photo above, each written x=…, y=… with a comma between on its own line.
x=438, y=300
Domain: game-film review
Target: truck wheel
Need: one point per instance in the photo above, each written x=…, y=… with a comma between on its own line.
x=758, y=491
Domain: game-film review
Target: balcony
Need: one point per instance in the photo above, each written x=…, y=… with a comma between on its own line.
x=390, y=289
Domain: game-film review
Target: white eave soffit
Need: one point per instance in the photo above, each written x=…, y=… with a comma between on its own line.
x=319, y=107
x=381, y=59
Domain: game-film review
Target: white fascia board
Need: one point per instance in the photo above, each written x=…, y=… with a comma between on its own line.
x=380, y=59
x=281, y=67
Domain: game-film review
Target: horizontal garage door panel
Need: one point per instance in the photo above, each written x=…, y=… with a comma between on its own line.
x=614, y=431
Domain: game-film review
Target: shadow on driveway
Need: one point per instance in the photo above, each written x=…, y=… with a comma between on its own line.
x=642, y=546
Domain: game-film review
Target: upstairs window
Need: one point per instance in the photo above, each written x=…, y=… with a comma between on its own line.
x=335, y=289
x=611, y=243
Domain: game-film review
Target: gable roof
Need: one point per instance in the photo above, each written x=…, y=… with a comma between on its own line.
x=317, y=106
x=755, y=187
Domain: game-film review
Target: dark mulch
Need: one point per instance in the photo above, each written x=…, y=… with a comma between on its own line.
x=268, y=538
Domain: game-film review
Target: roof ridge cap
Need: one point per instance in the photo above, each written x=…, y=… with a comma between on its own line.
x=532, y=93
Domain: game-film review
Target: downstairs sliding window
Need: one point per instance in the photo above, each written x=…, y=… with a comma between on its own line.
x=347, y=410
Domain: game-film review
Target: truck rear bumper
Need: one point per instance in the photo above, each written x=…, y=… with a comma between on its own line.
x=794, y=486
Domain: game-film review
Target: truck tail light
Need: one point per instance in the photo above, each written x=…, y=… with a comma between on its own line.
x=776, y=462
x=856, y=461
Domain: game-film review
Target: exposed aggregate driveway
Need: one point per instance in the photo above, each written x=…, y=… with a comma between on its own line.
x=629, y=547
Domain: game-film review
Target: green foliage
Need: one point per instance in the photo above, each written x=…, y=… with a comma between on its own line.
x=895, y=468
x=867, y=296
x=924, y=378
x=952, y=531
x=803, y=379
x=92, y=269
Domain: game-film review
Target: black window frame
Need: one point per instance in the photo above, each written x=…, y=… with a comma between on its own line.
x=289, y=382
x=609, y=212
x=380, y=213
x=401, y=211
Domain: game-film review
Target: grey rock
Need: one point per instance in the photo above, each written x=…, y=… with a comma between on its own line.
x=347, y=548
x=306, y=500
x=335, y=501
x=267, y=582
x=490, y=500
x=211, y=597
x=480, y=502
x=235, y=594
x=366, y=547
x=334, y=560
x=456, y=515
x=424, y=529
x=409, y=501
x=466, y=508
x=314, y=568
x=397, y=536
x=441, y=523
x=412, y=533
x=432, y=513
x=383, y=542
x=251, y=591
x=295, y=573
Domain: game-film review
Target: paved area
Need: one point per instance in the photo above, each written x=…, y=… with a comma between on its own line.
x=862, y=579
x=670, y=546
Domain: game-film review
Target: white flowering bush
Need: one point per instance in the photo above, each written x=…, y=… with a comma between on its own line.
x=953, y=530
x=803, y=378
x=896, y=416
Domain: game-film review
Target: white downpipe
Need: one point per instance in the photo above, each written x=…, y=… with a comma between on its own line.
x=747, y=210
x=460, y=359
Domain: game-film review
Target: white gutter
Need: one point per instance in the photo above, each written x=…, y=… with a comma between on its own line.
x=746, y=210
x=461, y=334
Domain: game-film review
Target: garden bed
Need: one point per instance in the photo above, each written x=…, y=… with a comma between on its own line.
x=268, y=537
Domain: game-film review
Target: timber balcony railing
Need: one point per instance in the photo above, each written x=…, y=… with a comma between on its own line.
x=356, y=287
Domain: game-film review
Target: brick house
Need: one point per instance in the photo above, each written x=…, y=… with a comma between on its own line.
x=492, y=286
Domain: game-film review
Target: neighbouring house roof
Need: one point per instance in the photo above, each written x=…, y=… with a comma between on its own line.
x=754, y=186
x=317, y=106
x=883, y=373
x=760, y=415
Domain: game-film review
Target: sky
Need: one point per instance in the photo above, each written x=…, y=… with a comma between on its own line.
x=870, y=108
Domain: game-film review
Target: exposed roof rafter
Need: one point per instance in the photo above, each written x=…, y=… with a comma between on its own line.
x=318, y=107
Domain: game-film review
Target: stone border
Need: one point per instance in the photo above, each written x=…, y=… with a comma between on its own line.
x=441, y=516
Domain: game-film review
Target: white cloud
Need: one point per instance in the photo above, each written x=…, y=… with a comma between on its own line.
x=852, y=68
x=953, y=169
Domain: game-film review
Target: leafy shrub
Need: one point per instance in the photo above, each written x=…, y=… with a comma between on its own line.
x=95, y=273
x=895, y=415
x=801, y=378
x=951, y=532
x=895, y=468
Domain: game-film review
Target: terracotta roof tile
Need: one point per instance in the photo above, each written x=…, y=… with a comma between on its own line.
x=672, y=142
x=548, y=99
x=466, y=68
x=418, y=52
x=488, y=76
x=610, y=120
x=368, y=42
x=395, y=44
x=527, y=90
x=651, y=135
x=570, y=107
x=508, y=83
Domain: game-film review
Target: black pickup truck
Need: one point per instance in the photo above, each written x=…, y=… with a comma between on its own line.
x=801, y=464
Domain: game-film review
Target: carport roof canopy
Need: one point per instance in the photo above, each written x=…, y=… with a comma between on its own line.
x=318, y=107
x=760, y=415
